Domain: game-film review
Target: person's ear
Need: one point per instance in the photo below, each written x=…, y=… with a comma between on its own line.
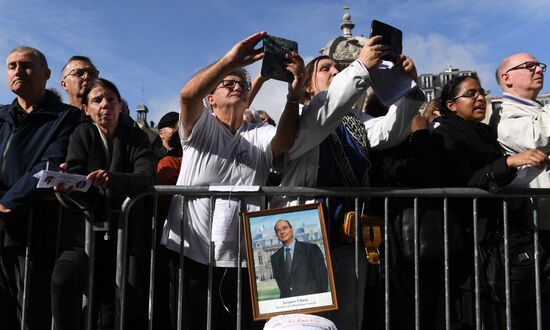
x=47, y=73
x=451, y=105
x=506, y=79
x=85, y=109
x=210, y=100
x=309, y=90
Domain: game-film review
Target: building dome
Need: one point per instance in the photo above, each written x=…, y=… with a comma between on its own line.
x=344, y=49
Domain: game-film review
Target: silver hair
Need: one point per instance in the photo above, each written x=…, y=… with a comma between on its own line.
x=242, y=73
x=255, y=115
x=38, y=54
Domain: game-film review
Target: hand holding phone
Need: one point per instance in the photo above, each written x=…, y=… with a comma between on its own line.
x=391, y=36
x=274, y=63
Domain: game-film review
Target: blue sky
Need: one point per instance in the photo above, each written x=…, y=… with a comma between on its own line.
x=309, y=218
x=149, y=49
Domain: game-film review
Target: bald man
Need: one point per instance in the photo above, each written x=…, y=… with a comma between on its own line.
x=522, y=123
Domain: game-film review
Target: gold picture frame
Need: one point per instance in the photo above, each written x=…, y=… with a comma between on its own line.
x=303, y=285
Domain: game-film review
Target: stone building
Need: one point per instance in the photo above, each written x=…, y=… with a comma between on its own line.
x=432, y=83
x=345, y=49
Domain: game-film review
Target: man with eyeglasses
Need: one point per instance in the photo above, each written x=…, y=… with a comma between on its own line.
x=34, y=130
x=78, y=71
x=219, y=148
x=522, y=123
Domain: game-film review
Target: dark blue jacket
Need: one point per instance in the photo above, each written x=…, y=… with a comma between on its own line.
x=26, y=147
x=308, y=273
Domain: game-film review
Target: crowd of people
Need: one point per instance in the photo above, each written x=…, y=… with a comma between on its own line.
x=321, y=140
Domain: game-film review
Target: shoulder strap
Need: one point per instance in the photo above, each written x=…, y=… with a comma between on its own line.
x=357, y=130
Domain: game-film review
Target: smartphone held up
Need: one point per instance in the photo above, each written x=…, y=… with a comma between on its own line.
x=274, y=62
x=391, y=37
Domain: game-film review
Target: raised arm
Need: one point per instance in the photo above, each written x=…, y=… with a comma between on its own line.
x=326, y=110
x=255, y=87
x=393, y=128
x=288, y=123
x=202, y=83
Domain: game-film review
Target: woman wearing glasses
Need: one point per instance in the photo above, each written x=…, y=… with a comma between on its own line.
x=336, y=154
x=118, y=161
x=471, y=151
x=472, y=157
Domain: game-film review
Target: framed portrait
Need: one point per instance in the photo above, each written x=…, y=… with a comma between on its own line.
x=289, y=261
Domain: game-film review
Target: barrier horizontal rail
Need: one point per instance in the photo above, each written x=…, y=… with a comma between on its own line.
x=203, y=191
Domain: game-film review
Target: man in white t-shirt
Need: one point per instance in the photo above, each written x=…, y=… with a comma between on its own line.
x=219, y=148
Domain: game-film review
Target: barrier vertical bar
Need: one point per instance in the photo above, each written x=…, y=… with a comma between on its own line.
x=89, y=248
x=153, y=260
x=329, y=217
x=446, y=262
x=507, y=266
x=537, y=264
x=242, y=208
x=27, y=271
x=386, y=265
x=59, y=231
x=416, y=269
x=122, y=242
x=357, y=242
x=181, y=272
x=477, y=288
x=210, y=267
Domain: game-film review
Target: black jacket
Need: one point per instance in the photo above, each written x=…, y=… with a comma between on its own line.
x=132, y=167
x=472, y=156
x=26, y=146
x=308, y=275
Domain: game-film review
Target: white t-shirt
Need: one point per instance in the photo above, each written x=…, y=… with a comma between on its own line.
x=214, y=156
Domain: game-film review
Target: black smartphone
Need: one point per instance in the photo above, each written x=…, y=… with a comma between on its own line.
x=274, y=62
x=391, y=36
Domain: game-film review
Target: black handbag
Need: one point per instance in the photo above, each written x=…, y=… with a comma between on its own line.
x=522, y=267
x=430, y=234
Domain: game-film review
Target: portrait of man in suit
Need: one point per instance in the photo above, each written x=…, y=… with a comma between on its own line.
x=298, y=267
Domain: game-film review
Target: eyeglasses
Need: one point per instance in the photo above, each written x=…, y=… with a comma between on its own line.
x=529, y=65
x=91, y=72
x=471, y=94
x=230, y=84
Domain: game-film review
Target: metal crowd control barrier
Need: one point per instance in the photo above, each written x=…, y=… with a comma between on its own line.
x=302, y=193
x=89, y=248
x=357, y=194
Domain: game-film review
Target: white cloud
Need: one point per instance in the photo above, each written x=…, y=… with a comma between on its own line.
x=159, y=106
x=272, y=97
x=434, y=53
